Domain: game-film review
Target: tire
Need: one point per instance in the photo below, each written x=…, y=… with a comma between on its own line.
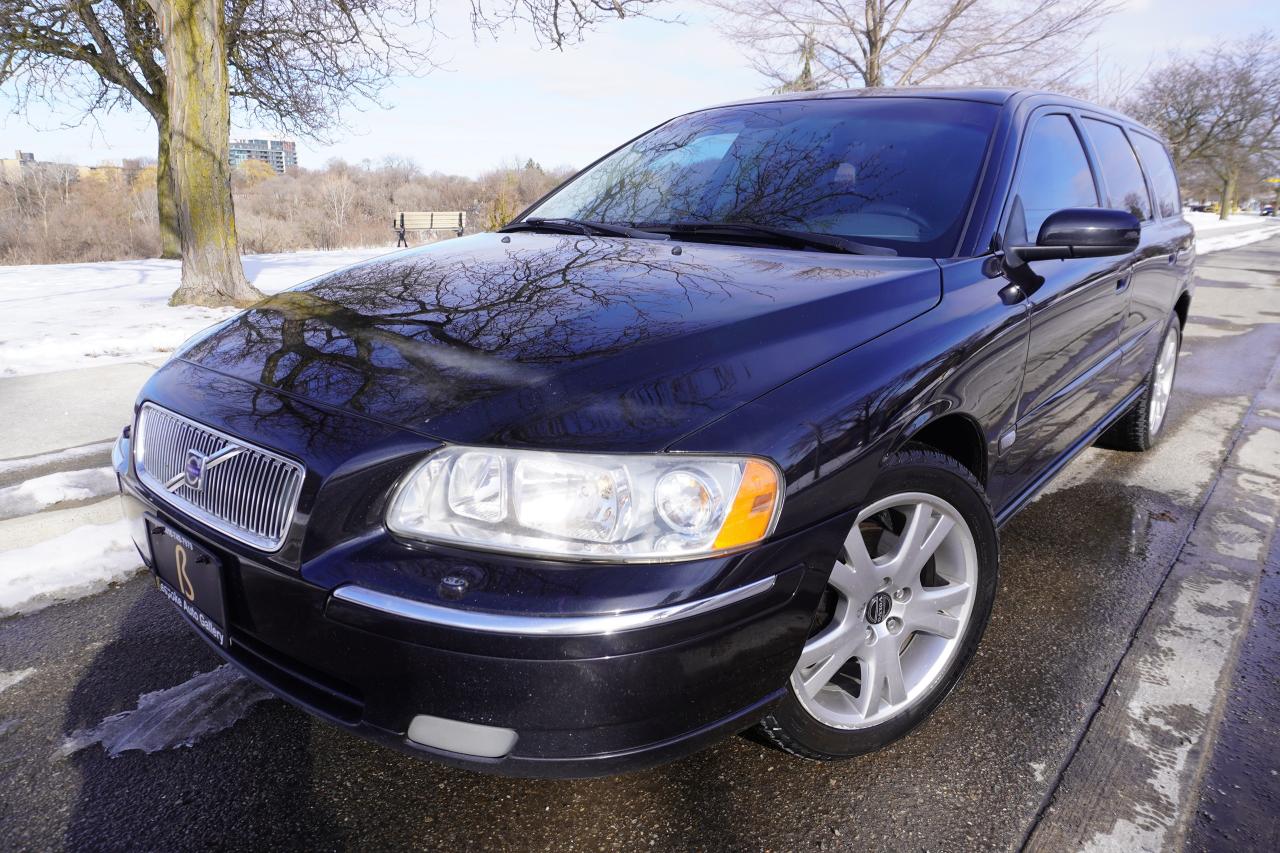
x=950, y=592
x=1138, y=428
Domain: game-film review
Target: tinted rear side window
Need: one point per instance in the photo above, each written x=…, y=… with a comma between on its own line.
x=1053, y=174
x=1164, y=182
x=1120, y=170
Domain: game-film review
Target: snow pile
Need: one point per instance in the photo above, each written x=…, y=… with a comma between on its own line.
x=1205, y=222
x=62, y=316
x=1240, y=229
x=40, y=493
x=177, y=716
x=27, y=465
x=80, y=562
x=1234, y=239
x=9, y=679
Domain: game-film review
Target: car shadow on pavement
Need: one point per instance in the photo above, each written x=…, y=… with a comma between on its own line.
x=225, y=791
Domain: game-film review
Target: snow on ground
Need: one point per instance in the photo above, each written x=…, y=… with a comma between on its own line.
x=1205, y=222
x=177, y=716
x=63, y=316
x=1215, y=242
x=9, y=679
x=40, y=493
x=80, y=562
x=1240, y=229
x=21, y=467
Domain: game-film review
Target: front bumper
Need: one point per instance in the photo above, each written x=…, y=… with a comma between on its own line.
x=581, y=694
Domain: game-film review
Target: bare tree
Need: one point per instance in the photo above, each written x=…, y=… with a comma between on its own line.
x=294, y=61
x=291, y=62
x=839, y=43
x=39, y=190
x=1219, y=112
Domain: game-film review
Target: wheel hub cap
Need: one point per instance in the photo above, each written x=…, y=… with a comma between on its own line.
x=878, y=608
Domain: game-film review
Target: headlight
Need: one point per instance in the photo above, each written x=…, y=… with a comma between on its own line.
x=591, y=506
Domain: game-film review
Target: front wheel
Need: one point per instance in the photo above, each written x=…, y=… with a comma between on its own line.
x=902, y=614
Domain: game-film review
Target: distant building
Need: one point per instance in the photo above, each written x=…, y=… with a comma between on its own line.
x=280, y=154
x=25, y=164
x=11, y=168
x=106, y=173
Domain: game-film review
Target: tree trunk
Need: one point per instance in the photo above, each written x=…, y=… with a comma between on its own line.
x=874, y=75
x=1228, y=193
x=166, y=204
x=195, y=52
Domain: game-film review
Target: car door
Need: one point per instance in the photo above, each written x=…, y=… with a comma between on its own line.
x=1071, y=378
x=1163, y=263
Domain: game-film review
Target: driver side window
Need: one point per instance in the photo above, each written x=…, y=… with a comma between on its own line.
x=1052, y=175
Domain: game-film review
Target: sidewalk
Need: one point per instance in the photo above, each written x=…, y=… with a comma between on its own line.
x=1133, y=783
x=48, y=412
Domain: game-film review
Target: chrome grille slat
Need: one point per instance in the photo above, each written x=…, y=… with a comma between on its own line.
x=250, y=497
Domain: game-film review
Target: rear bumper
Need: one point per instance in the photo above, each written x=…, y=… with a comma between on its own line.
x=583, y=695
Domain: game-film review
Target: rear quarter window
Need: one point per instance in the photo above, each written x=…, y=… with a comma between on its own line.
x=1159, y=168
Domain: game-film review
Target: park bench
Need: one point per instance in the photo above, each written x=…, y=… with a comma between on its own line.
x=427, y=220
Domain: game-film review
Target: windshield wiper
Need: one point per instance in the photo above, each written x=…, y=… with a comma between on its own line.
x=582, y=226
x=806, y=239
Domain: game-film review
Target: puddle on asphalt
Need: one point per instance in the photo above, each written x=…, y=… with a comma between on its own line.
x=174, y=717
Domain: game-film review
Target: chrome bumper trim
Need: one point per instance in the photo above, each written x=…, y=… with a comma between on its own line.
x=544, y=626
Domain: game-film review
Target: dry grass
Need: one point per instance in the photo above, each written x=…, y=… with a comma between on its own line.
x=48, y=216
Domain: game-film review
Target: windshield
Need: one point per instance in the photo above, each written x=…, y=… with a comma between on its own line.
x=893, y=172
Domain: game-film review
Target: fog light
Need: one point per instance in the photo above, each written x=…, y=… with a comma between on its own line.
x=463, y=738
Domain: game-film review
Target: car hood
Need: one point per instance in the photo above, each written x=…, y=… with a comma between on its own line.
x=564, y=341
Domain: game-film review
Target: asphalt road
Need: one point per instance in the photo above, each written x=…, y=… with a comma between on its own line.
x=1081, y=569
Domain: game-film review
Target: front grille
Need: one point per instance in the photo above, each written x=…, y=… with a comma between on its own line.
x=246, y=492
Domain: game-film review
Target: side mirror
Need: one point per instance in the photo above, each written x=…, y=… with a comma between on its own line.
x=1083, y=232
x=1078, y=232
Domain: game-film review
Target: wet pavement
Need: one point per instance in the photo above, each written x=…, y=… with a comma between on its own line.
x=1240, y=797
x=1083, y=566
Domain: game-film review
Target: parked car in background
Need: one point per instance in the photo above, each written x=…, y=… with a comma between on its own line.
x=717, y=435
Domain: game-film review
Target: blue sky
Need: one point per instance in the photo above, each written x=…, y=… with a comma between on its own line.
x=497, y=102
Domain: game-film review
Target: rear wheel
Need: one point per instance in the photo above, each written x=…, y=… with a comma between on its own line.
x=1139, y=427
x=903, y=611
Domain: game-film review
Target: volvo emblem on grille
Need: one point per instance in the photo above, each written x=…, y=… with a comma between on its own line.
x=195, y=469
x=198, y=466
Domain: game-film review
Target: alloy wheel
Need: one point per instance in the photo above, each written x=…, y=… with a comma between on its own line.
x=895, y=613
x=1162, y=387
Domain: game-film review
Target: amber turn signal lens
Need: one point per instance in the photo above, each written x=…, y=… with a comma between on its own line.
x=751, y=516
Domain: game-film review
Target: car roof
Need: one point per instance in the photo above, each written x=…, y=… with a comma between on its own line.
x=987, y=96
x=1003, y=97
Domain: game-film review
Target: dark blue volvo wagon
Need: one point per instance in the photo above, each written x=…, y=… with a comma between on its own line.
x=716, y=435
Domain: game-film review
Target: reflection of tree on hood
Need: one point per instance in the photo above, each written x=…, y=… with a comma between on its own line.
x=471, y=324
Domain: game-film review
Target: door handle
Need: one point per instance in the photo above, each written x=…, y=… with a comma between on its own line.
x=1123, y=281
x=1173, y=259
